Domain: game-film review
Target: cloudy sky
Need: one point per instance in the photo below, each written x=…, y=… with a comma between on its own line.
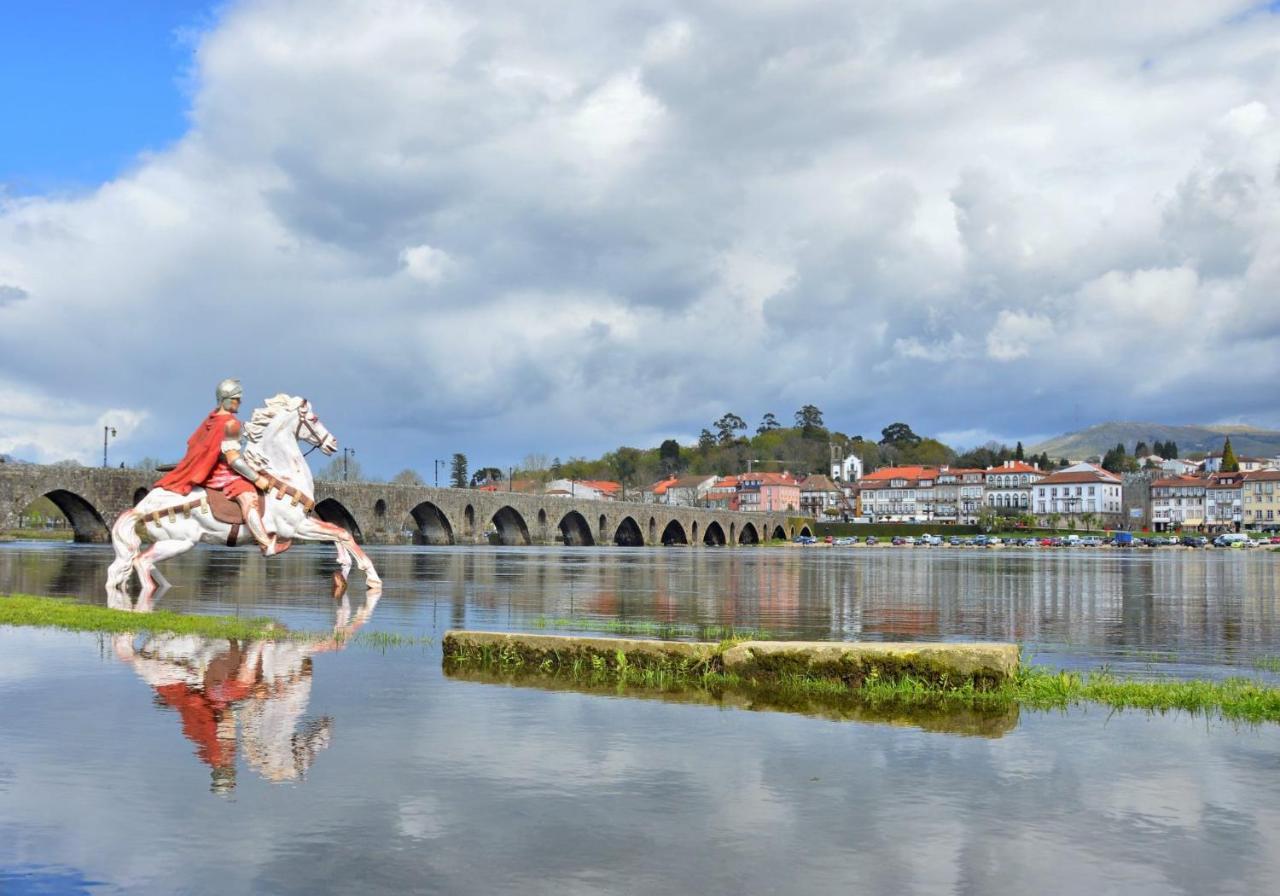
x=504, y=228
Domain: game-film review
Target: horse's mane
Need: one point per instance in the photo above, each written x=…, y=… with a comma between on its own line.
x=256, y=428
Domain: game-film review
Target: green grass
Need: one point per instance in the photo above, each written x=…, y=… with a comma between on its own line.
x=665, y=631
x=62, y=613
x=52, y=612
x=1033, y=687
x=66, y=534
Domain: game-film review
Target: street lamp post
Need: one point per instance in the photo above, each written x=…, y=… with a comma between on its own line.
x=346, y=452
x=106, y=430
x=437, y=464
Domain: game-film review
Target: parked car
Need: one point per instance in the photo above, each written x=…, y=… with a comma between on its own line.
x=980, y=540
x=955, y=541
x=1194, y=541
x=1122, y=539
x=1090, y=541
x=872, y=541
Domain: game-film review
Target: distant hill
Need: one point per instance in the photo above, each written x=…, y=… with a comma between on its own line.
x=1246, y=440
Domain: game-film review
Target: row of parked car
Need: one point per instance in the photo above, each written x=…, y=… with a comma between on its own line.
x=1119, y=539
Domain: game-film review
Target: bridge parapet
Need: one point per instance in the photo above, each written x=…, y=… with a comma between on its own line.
x=384, y=513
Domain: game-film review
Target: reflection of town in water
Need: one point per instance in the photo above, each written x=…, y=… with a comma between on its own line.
x=244, y=698
x=1089, y=605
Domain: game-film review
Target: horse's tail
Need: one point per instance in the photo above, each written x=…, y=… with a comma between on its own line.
x=127, y=543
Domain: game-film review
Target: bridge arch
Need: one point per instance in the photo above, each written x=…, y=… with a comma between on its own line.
x=511, y=527
x=86, y=522
x=604, y=533
x=430, y=525
x=779, y=533
x=628, y=534
x=139, y=493
x=805, y=530
x=714, y=536
x=674, y=534
x=575, y=530
x=749, y=535
x=331, y=510
x=469, y=520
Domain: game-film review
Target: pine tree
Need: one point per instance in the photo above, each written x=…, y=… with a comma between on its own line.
x=1230, y=464
x=1017, y=453
x=458, y=471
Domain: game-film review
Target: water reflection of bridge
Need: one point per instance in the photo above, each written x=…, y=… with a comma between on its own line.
x=382, y=513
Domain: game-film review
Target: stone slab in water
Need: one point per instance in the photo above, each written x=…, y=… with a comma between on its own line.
x=852, y=662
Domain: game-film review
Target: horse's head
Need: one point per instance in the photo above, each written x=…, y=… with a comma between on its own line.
x=312, y=431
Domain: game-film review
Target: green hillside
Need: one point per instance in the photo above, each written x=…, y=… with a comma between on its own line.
x=1096, y=440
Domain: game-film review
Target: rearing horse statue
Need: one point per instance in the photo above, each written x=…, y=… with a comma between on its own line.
x=177, y=522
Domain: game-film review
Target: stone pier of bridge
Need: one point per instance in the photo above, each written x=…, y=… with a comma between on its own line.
x=383, y=513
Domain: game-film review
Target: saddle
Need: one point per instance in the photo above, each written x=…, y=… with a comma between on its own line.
x=227, y=510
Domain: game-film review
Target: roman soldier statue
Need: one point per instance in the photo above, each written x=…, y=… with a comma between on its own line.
x=214, y=461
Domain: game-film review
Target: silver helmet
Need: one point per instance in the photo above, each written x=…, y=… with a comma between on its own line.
x=227, y=390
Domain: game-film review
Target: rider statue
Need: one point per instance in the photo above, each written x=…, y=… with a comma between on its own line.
x=214, y=461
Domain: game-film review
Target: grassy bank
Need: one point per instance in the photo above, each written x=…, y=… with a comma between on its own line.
x=52, y=612
x=1031, y=687
x=62, y=613
x=37, y=534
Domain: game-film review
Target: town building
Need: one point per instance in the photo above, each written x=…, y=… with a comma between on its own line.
x=1223, y=511
x=1178, y=502
x=765, y=492
x=847, y=470
x=818, y=494
x=1008, y=486
x=724, y=493
x=898, y=494
x=595, y=489
x=1213, y=463
x=1260, y=500
x=1076, y=492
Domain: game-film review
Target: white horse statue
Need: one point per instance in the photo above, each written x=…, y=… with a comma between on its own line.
x=177, y=522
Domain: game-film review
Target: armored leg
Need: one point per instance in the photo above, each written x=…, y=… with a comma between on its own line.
x=253, y=519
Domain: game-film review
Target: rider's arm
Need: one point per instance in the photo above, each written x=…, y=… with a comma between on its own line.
x=231, y=451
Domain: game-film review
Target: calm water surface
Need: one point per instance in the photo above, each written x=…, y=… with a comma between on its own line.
x=166, y=765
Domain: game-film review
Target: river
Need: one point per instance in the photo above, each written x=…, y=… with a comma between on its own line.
x=158, y=765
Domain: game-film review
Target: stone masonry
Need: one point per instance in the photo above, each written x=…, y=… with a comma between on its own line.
x=381, y=513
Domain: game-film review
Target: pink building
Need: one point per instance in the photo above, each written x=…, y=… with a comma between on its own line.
x=763, y=492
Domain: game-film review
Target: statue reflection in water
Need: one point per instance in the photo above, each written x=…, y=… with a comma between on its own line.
x=246, y=698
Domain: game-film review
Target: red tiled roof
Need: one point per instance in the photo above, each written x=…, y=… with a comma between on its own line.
x=1014, y=466
x=1263, y=476
x=601, y=485
x=1177, y=481
x=887, y=473
x=1096, y=474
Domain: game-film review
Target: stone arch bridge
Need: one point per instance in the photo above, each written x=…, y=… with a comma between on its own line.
x=381, y=513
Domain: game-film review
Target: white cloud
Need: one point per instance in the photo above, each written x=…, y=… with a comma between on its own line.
x=625, y=219
x=426, y=263
x=1017, y=334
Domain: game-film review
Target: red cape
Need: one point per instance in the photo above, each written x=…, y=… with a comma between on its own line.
x=204, y=448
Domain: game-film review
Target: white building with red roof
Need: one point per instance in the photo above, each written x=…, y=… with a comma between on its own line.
x=1008, y=486
x=1078, y=490
x=899, y=494
x=1178, y=502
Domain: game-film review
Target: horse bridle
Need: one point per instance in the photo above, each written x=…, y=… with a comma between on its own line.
x=303, y=421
